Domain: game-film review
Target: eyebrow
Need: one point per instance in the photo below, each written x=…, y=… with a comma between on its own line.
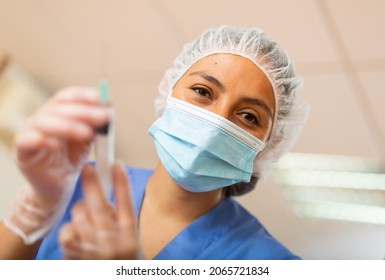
x=210, y=78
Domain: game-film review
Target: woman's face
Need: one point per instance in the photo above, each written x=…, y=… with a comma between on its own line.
x=232, y=87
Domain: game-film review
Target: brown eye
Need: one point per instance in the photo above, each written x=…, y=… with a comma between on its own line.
x=202, y=91
x=250, y=118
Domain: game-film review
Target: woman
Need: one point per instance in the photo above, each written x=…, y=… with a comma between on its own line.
x=228, y=107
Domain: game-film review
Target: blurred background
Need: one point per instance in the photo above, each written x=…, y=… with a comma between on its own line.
x=325, y=200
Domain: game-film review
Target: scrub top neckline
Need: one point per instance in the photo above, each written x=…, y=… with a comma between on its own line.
x=193, y=232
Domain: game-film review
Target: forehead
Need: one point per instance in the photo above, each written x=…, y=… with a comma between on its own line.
x=231, y=63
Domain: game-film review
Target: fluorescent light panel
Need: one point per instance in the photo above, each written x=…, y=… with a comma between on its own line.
x=331, y=179
x=329, y=162
x=341, y=212
x=352, y=187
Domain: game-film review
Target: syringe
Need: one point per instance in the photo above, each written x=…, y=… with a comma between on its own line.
x=105, y=143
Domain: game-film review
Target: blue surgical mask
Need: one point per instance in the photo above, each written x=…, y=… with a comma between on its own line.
x=203, y=151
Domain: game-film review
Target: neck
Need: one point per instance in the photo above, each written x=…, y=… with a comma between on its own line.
x=168, y=198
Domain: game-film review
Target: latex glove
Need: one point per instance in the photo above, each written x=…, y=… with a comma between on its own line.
x=50, y=151
x=98, y=230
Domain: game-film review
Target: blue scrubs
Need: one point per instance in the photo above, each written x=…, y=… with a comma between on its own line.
x=227, y=231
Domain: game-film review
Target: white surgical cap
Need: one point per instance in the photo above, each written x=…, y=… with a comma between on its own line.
x=255, y=45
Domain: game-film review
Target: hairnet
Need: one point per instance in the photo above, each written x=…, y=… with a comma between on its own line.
x=255, y=45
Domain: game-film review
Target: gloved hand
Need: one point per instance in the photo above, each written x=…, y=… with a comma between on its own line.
x=98, y=230
x=50, y=150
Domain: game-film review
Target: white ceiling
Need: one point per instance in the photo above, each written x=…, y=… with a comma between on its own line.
x=338, y=47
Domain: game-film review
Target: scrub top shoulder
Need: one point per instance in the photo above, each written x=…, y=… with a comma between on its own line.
x=228, y=231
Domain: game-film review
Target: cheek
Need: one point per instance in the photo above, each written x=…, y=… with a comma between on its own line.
x=267, y=133
x=184, y=94
x=263, y=133
x=177, y=92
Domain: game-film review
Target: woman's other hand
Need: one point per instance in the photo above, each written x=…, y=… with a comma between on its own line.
x=97, y=229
